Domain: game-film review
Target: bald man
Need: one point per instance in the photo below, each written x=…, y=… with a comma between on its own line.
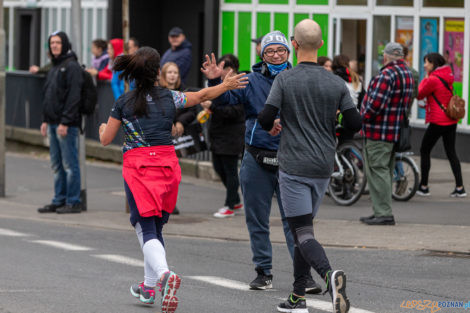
x=307, y=148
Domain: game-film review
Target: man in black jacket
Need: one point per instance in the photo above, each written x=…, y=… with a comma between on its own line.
x=61, y=124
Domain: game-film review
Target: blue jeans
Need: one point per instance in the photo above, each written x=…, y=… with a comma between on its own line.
x=258, y=187
x=64, y=163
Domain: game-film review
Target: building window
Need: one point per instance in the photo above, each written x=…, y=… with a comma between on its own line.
x=454, y=29
x=444, y=3
x=351, y=2
x=404, y=3
x=404, y=34
x=380, y=39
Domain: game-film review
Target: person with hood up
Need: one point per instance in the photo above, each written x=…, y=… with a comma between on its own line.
x=115, y=49
x=259, y=169
x=179, y=53
x=435, y=87
x=61, y=124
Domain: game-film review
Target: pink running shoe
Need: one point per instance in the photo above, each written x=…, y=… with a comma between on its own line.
x=144, y=294
x=169, y=285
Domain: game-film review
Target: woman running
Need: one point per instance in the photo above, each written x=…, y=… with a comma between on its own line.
x=150, y=167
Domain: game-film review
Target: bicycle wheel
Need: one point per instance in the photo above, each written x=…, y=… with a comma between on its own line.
x=405, y=179
x=346, y=188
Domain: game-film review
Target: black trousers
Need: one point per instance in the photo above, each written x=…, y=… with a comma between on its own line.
x=431, y=136
x=226, y=166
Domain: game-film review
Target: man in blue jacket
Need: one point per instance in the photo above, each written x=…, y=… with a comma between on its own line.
x=179, y=53
x=259, y=170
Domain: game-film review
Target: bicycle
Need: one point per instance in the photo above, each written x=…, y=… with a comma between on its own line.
x=348, y=180
x=405, y=177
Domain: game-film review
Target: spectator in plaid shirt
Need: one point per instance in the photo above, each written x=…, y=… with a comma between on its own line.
x=384, y=106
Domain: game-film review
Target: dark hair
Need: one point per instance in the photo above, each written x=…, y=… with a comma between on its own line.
x=340, y=61
x=100, y=43
x=436, y=59
x=141, y=67
x=136, y=42
x=405, y=51
x=322, y=60
x=230, y=61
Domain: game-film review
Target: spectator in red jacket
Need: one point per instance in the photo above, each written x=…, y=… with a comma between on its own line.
x=115, y=48
x=435, y=88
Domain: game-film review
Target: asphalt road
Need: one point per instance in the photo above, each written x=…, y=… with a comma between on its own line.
x=48, y=267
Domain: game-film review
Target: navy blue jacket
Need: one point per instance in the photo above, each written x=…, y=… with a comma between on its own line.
x=182, y=56
x=253, y=97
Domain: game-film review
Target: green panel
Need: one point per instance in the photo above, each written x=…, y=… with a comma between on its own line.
x=263, y=24
x=237, y=1
x=325, y=2
x=228, y=32
x=274, y=1
x=281, y=23
x=322, y=20
x=244, y=40
x=297, y=18
x=458, y=88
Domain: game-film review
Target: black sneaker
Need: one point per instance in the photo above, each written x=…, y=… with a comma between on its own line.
x=336, y=286
x=297, y=306
x=312, y=287
x=50, y=208
x=70, y=208
x=458, y=193
x=423, y=192
x=262, y=281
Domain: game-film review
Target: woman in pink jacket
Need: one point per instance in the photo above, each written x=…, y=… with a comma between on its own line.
x=434, y=88
x=150, y=167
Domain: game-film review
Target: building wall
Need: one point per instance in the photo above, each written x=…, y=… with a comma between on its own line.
x=55, y=15
x=385, y=20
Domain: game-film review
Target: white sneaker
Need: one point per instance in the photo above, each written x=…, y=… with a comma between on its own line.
x=224, y=212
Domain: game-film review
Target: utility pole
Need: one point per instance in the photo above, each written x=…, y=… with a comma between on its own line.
x=2, y=103
x=76, y=18
x=125, y=37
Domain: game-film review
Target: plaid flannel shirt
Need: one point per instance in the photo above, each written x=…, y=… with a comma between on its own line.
x=388, y=97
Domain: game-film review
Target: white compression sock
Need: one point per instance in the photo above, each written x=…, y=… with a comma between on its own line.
x=155, y=262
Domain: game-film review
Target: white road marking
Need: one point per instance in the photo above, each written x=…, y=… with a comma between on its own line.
x=233, y=284
x=62, y=245
x=11, y=233
x=219, y=281
x=120, y=259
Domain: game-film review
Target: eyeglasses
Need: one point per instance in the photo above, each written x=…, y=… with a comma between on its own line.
x=292, y=38
x=280, y=52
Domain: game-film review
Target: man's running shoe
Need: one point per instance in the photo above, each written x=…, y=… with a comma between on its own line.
x=336, y=286
x=312, y=287
x=293, y=306
x=262, y=281
x=169, y=285
x=238, y=206
x=144, y=294
x=423, y=192
x=458, y=193
x=224, y=212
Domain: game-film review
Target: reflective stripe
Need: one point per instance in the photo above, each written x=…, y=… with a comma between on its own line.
x=253, y=131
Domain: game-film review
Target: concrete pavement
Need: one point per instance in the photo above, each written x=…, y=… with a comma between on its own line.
x=29, y=185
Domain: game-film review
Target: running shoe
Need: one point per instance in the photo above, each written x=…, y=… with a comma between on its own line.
x=293, y=306
x=224, y=212
x=336, y=286
x=458, y=193
x=312, y=287
x=169, y=285
x=262, y=281
x=238, y=206
x=423, y=192
x=143, y=293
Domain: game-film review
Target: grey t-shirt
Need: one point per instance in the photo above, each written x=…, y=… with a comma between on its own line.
x=308, y=97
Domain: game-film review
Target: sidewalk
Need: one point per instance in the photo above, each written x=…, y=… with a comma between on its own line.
x=29, y=186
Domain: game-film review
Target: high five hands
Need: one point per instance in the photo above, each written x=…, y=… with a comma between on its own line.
x=212, y=71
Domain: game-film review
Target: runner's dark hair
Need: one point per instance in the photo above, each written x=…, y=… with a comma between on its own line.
x=142, y=68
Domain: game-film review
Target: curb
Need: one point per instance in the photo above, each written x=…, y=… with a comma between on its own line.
x=113, y=153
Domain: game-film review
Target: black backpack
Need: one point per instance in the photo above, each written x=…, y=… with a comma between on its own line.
x=89, y=94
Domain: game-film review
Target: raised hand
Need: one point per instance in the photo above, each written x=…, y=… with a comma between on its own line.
x=238, y=81
x=210, y=67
